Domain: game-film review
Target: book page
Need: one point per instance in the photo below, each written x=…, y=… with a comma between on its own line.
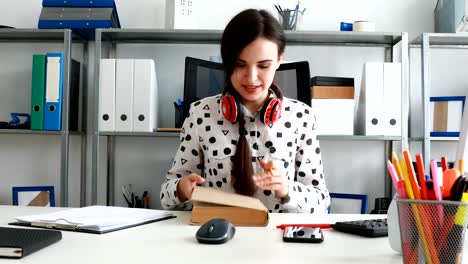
x=210, y=195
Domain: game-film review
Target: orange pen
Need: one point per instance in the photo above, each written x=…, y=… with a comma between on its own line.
x=396, y=163
x=411, y=175
x=460, y=167
x=421, y=176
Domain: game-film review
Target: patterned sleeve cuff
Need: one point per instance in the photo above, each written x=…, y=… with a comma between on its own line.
x=289, y=203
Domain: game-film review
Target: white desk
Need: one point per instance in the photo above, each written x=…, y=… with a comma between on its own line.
x=173, y=241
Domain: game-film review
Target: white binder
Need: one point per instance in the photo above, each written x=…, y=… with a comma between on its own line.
x=392, y=99
x=124, y=94
x=370, y=116
x=107, y=95
x=144, y=96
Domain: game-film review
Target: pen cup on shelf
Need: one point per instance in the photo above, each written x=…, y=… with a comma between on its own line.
x=290, y=19
x=432, y=231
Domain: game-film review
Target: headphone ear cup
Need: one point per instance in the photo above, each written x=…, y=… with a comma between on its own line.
x=230, y=108
x=271, y=111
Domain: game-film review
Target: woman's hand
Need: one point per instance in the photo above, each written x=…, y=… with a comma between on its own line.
x=186, y=185
x=272, y=178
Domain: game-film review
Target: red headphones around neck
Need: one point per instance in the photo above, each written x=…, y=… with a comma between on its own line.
x=270, y=113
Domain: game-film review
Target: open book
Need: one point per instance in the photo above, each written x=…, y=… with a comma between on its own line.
x=209, y=203
x=94, y=219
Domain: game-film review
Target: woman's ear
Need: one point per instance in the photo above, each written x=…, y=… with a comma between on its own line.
x=280, y=59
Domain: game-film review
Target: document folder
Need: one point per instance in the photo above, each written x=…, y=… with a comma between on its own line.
x=53, y=98
x=20, y=242
x=78, y=3
x=38, y=91
x=124, y=95
x=107, y=95
x=94, y=219
x=78, y=18
x=144, y=96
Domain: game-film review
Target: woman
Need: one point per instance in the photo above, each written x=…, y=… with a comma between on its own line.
x=250, y=139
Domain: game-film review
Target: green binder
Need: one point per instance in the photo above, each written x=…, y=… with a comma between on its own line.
x=38, y=91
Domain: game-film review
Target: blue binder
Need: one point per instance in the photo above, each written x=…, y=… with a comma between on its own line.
x=53, y=98
x=78, y=3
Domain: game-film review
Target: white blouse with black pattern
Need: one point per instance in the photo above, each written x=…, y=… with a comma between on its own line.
x=208, y=142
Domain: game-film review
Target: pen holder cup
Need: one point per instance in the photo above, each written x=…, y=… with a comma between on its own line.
x=290, y=19
x=432, y=231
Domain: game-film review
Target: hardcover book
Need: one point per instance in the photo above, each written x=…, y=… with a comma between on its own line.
x=240, y=210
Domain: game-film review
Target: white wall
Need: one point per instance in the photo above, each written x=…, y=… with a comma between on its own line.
x=151, y=156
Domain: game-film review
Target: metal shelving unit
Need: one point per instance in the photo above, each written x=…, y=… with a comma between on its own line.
x=113, y=37
x=66, y=37
x=426, y=41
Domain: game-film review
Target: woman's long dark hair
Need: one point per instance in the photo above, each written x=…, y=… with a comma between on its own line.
x=243, y=29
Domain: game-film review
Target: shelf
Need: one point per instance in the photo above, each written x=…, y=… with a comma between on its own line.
x=29, y=132
x=214, y=36
x=34, y=35
x=140, y=134
x=358, y=137
x=321, y=137
x=443, y=39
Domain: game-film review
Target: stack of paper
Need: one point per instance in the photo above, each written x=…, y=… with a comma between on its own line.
x=95, y=219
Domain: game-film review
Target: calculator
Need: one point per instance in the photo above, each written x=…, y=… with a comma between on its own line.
x=367, y=228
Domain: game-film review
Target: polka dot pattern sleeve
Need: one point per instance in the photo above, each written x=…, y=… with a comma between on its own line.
x=307, y=191
x=188, y=160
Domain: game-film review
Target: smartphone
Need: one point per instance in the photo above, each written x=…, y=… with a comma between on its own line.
x=303, y=234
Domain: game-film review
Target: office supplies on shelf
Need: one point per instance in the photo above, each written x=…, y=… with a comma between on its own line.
x=145, y=96
x=369, y=112
x=78, y=3
x=379, y=107
x=53, y=96
x=19, y=121
x=391, y=115
x=78, y=18
x=20, y=242
x=124, y=78
x=94, y=219
x=447, y=113
x=107, y=95
x=346, y=26
x=332, y=98
x=363, y=26
x=38, y=91
x=209, y=203
x=367, y=228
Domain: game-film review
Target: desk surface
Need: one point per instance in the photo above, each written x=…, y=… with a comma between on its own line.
x=173, y=241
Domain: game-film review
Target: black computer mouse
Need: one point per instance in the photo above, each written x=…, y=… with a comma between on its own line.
x=215, y=231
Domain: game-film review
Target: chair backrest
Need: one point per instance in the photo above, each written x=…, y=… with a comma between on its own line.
x=362, y=197
x=206, y=78
x=34, y=196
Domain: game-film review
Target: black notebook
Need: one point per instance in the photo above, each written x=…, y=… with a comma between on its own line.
x=20, y=242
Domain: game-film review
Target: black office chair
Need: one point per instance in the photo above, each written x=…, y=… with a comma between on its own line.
x=206, y=78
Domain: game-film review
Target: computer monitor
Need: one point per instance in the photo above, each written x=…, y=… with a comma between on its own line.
x=206, y=78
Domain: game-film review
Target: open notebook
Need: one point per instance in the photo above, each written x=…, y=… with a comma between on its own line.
x=94, y=219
